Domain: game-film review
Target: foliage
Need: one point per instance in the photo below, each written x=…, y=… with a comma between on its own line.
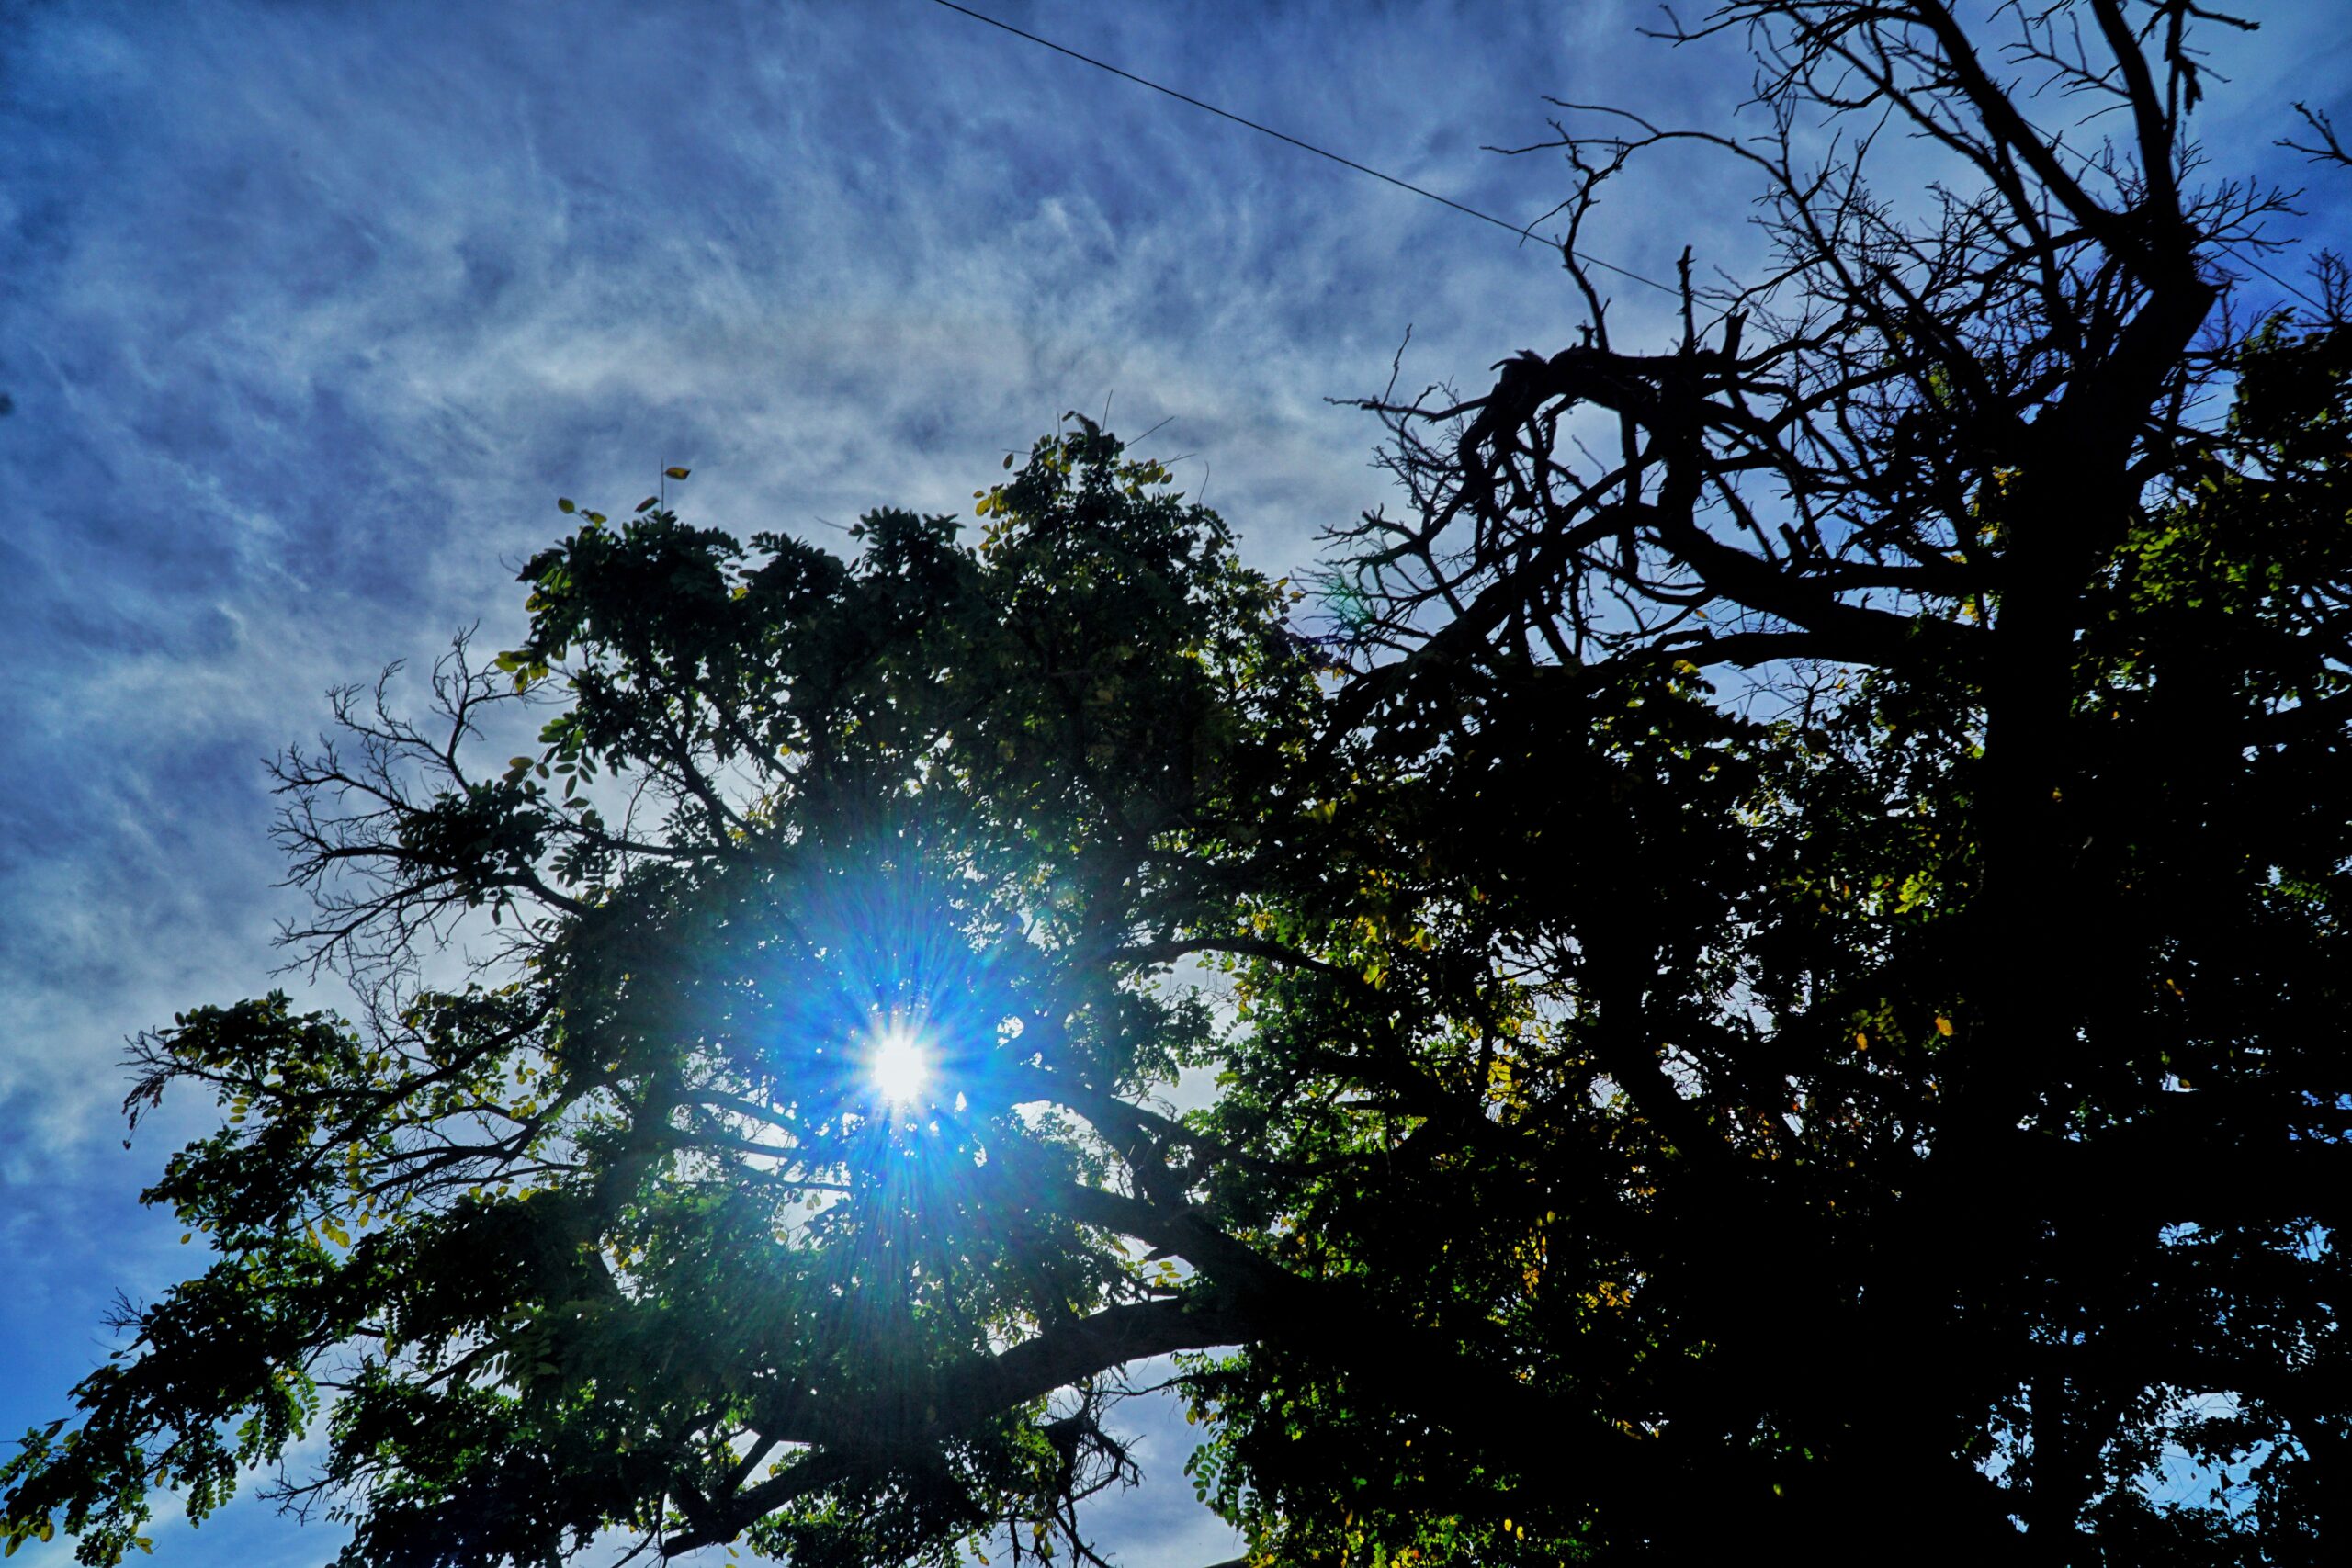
x=625, y=1238
x=1781, y=984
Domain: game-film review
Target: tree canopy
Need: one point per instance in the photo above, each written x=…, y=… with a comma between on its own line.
x=1770, y=973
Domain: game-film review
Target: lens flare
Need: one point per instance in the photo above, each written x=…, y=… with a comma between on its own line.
x=898, y=1066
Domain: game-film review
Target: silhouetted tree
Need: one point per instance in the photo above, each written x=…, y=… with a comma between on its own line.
x=1990, y=1102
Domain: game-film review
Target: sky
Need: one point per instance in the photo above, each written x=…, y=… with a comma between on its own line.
x=310, y=311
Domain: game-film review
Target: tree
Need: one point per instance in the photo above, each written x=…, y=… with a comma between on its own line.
x=1782, y=982
x=2008, y=1070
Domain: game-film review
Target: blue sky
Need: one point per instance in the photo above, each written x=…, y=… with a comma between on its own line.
x=307, y=312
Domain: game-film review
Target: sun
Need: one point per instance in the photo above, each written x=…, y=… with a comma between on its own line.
x=898, y=1066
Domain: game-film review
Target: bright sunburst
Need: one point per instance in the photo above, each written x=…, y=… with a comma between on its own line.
x=898, y=1066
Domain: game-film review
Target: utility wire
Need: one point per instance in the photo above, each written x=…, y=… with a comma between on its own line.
x=1523, y=233
x=2241, y=257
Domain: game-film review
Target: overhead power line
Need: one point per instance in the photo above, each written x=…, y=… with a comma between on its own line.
x=1524, y=233
x=2241, y=257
